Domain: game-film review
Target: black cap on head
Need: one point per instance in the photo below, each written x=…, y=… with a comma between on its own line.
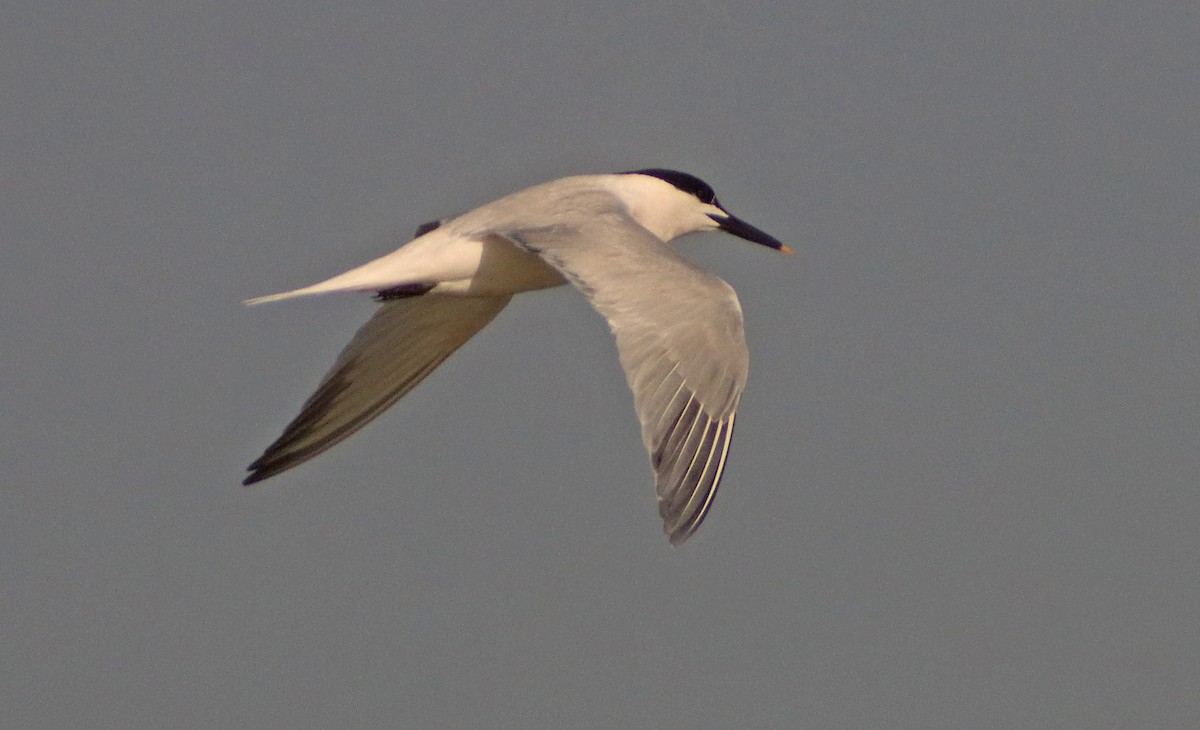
x=685, y=182
x=704, y=193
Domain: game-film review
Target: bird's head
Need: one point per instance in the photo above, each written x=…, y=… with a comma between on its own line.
x=671, y=204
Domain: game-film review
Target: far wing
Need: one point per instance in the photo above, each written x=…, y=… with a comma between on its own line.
x=680, y=339
x=401, y=344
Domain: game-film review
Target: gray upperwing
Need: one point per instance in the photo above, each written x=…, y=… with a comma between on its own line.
x=681, y=342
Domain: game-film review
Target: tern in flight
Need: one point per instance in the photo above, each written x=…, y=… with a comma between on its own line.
x=678, y=329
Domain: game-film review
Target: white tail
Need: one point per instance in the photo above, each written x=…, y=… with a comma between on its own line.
x=428, y=259
x=305, y=292
x=369, y=277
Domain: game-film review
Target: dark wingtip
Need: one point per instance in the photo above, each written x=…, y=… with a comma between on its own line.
x=268, y=465
x=677, y=537
x=430, y=226
x=259, y=470
x=402, y=291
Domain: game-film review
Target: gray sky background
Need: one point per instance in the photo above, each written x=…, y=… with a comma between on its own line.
x=964, y=487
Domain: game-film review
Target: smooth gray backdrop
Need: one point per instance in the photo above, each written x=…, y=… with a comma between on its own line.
x=964, y=487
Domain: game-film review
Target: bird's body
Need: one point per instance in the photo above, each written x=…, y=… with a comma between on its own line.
x=678, y=329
